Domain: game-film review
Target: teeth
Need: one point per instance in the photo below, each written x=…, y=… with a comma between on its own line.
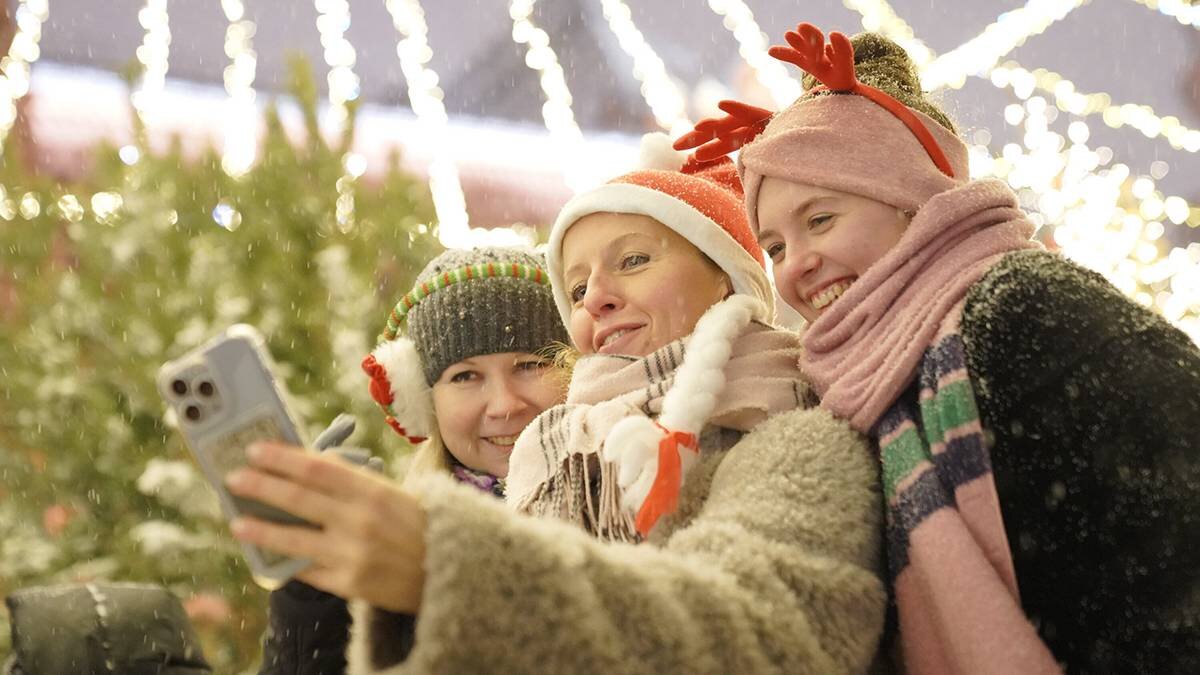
x=612, y=337
x=826, y=297
x=502, y=440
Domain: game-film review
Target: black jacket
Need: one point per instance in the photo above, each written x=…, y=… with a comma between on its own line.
x=1093, y=404
x=307, y=633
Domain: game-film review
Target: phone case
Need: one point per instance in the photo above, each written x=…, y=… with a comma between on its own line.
x=226, y=397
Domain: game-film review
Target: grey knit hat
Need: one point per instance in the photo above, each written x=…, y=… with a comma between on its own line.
x=464, y=303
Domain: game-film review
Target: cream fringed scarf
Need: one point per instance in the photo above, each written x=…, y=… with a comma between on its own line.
x=557, y=467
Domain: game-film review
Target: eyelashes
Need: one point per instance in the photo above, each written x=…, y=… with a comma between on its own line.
x=629, y=261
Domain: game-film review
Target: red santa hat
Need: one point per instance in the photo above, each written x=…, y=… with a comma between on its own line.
x=702, y=201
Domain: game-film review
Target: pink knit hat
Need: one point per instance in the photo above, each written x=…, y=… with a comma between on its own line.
x=844, y=135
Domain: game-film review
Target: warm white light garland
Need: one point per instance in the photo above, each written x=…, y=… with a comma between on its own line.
x=979, y=54
x=153, y=55
x=556, y=111
x=1182, y=11
x=241, y=123
x=14, y=67
x=878, y=16
x=333, y=19
x=752, y=46
x=425, y=98
x=1024, y=82
x=661, y=92
x=1074, y=190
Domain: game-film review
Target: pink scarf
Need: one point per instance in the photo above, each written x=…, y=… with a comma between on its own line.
x=864, y=350
x=955, y=587
x=556, y=470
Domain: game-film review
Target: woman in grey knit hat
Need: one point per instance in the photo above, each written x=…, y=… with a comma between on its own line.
x=462, y=366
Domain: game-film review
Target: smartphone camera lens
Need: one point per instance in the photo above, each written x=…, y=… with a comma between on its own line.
x=179, y=387
x=192, y=412
x=206, y=389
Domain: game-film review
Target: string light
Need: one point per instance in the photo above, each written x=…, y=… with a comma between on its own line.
x=662, y=94
x=1072, y=190
x=333, y=19
x=1184, y=12
x=752, y=46
x=556, y=111
x=241, y=117
x=14, y=67
x=426, y=99
x=979, y=54
x=153, y=55
x=1024, y=82
x=878, y=16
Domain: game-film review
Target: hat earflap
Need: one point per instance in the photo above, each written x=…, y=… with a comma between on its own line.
x=653, y=456
x=398, y=386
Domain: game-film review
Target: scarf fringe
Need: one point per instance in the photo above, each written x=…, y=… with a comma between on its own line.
x=572, y=495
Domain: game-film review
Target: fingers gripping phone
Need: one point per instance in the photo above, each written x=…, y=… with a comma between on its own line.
x=225, y=397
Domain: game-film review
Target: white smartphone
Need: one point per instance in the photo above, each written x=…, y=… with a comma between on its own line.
x=226, y=397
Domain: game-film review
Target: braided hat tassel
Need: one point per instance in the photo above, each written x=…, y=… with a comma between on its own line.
x=653, y=457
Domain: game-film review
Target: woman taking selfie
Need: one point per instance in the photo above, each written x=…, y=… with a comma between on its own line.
x=761, y=518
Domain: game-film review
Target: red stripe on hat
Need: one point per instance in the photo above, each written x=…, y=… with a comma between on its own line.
x=715, y=191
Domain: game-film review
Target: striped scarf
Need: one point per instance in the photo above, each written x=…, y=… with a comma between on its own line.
x=556, y=468
x=948, y=556
x=887, y=356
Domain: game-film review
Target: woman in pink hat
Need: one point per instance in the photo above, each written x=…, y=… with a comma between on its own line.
x=1037, y=430
x=686, y=427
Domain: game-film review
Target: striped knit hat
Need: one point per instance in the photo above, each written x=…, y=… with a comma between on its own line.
x=464, y=303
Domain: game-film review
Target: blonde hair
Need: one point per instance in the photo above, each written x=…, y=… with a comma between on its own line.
x=431, y=456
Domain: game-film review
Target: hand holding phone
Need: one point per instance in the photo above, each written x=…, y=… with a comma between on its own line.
x=226, y=397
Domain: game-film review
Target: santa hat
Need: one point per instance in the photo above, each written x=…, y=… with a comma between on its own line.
x=702, y=202
x=464, y=303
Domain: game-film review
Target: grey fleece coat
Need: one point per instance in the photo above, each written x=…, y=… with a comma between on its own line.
x=772, y=565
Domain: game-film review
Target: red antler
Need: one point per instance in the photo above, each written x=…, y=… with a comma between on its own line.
x=832, y=64
x=715, y=137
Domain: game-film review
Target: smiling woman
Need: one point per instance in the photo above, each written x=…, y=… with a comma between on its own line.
x=635, y=284
x=469, y=371
x=472, y=366
x=482, y=404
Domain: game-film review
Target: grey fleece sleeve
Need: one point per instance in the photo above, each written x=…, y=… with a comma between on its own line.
x=777, y=573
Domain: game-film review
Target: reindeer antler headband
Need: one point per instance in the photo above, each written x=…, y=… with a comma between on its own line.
x=833, y=65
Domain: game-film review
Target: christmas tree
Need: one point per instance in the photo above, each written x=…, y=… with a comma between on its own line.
x=104, y=280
